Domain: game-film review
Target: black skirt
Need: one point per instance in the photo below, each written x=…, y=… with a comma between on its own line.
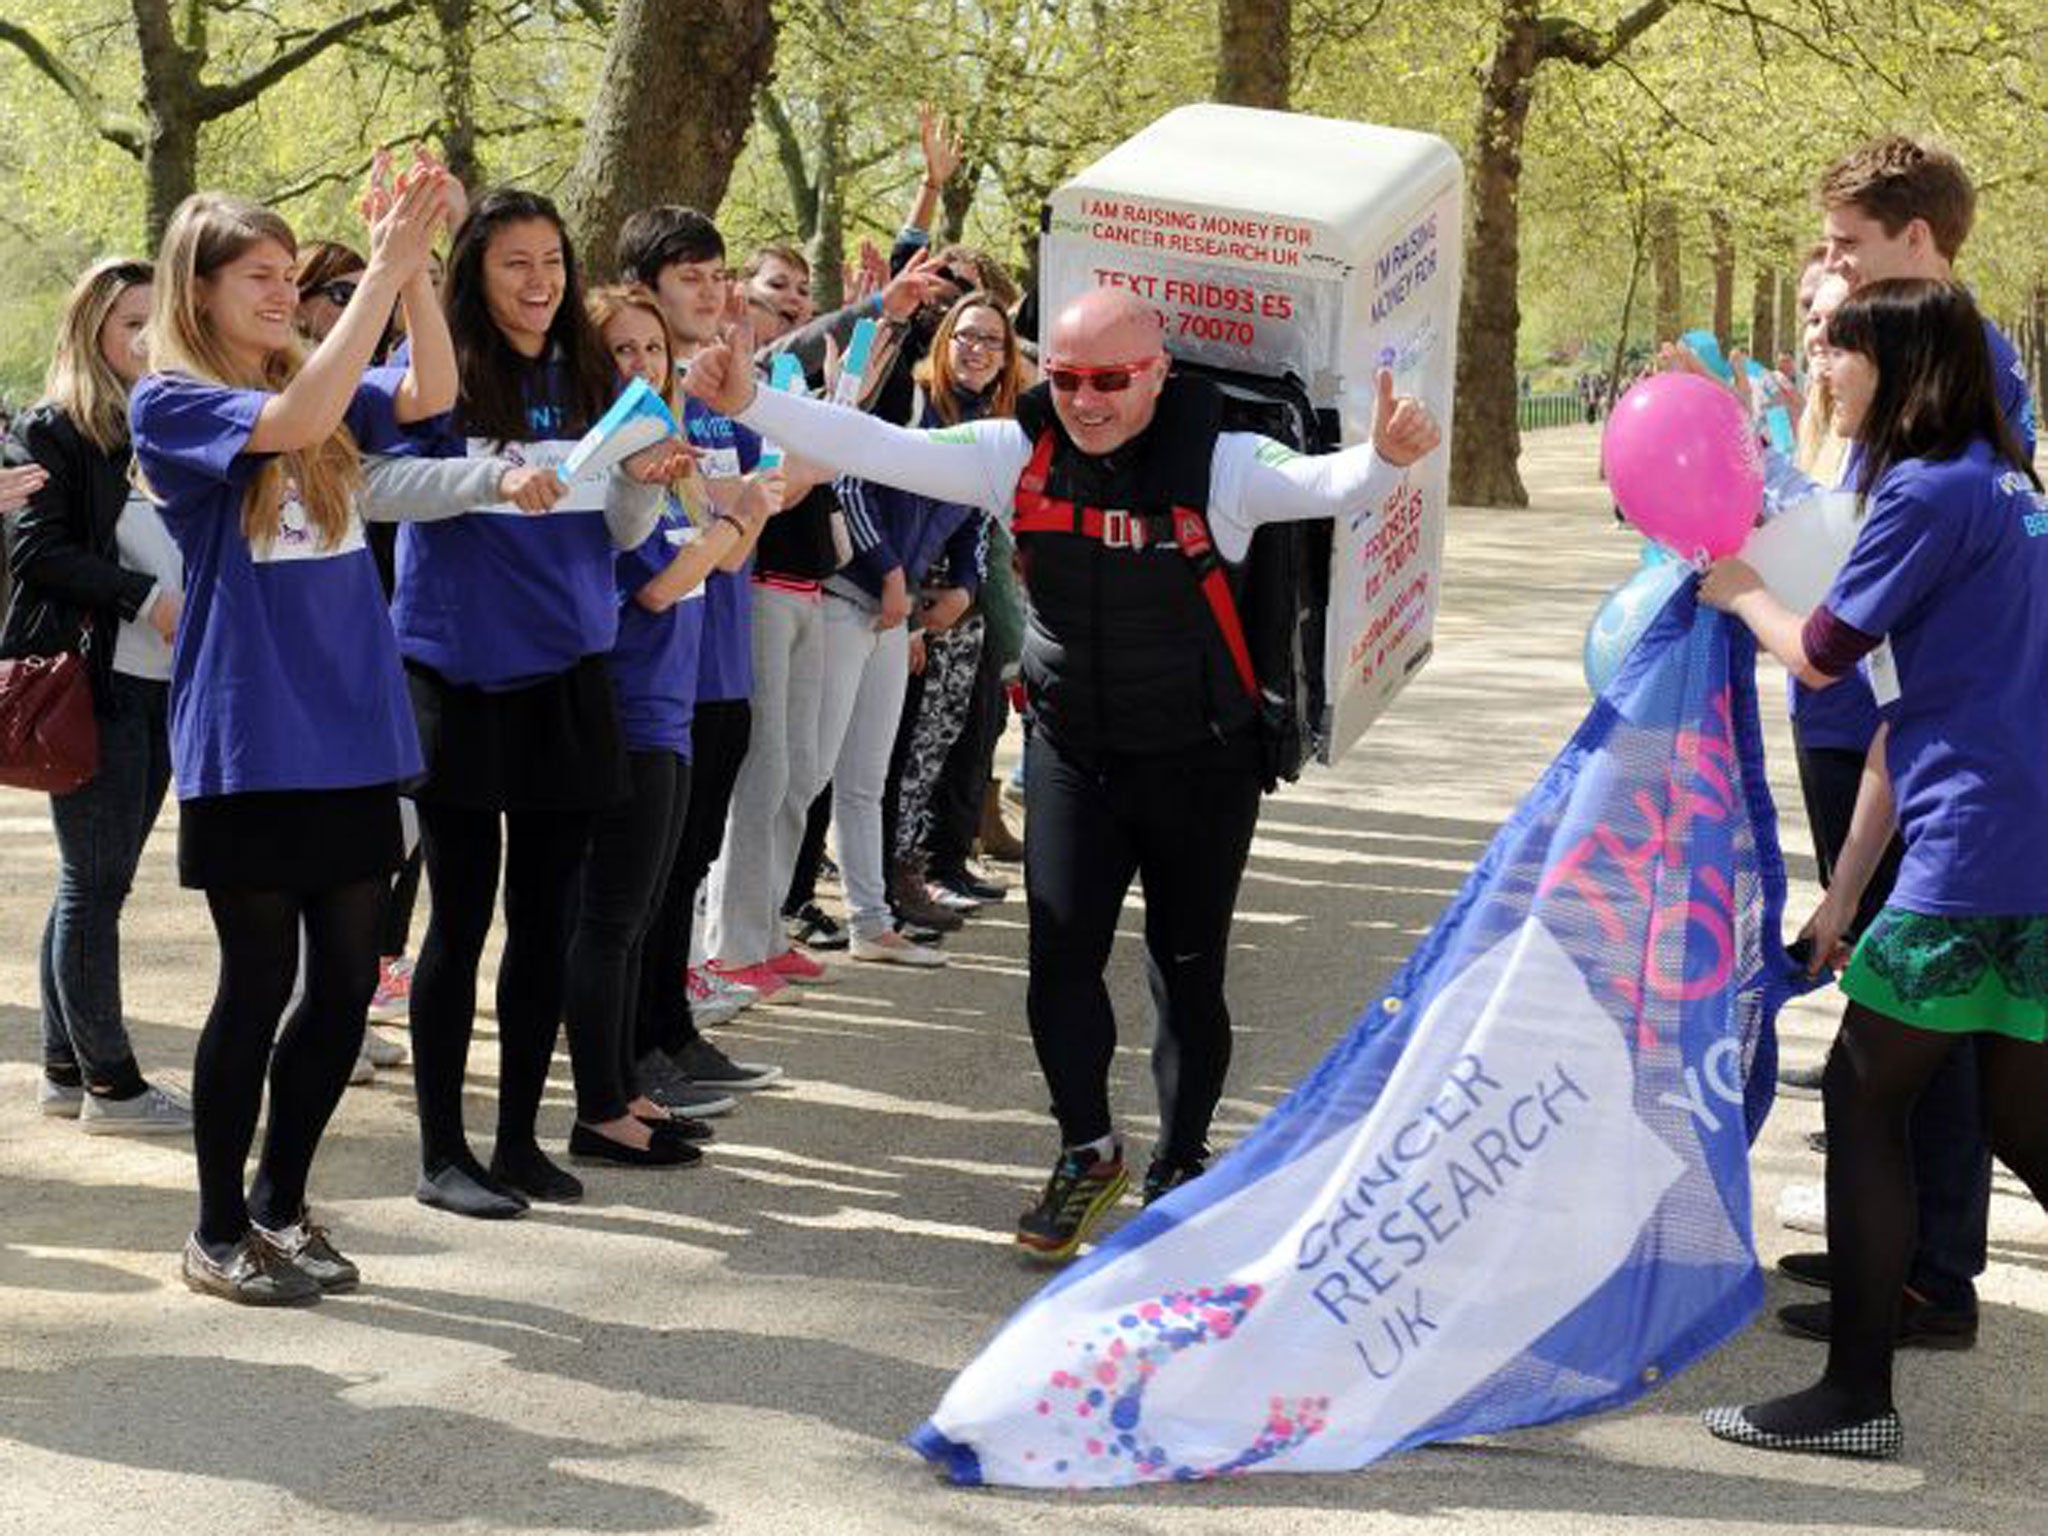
x=553, y=745
x=299, y=840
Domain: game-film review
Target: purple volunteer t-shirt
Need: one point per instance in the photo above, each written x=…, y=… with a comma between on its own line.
x=1951, y=566
x=1845, y=716
x=498, y=599
x=654, y=662
x=725, y=663
x=285, y=673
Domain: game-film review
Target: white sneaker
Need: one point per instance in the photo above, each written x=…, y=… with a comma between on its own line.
x=364, y=1071
x=890, y=948
x=1804, y=1208
x=382, y=1050
x=153, y=1112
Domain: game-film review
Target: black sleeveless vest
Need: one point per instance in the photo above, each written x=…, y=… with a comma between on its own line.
x=1122, y=653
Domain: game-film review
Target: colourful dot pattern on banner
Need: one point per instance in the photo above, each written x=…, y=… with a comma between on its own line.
x=1096, y=1410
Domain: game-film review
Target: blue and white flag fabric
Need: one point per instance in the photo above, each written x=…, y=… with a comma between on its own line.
x=1518, y=1189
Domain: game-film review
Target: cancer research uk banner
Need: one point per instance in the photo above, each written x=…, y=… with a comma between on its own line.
x=1518, y=1189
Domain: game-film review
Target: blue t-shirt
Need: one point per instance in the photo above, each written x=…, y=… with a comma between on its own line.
x=1951, y=566
x=285, y=674
x=500, y=598
x=654, y=663
x=725, y=662
x=1845, y=716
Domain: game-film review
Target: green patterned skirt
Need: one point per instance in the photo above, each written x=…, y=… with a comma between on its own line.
x=1961, y=975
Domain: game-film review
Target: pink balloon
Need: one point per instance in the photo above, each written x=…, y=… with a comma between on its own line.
x=1683, y=463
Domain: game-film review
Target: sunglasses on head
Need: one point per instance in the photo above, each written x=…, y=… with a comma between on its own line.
x=1109, y=379
x=338, y=292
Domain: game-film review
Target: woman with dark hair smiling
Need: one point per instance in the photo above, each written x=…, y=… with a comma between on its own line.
x=505, y=622
x=1944, y=602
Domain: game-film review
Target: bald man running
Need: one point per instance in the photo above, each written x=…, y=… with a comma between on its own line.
x=1145, y=757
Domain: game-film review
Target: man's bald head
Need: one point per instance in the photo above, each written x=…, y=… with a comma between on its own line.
x=1110, y=347
x=1107, y=325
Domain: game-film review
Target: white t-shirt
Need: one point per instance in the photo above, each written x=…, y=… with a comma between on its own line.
x=144, y=544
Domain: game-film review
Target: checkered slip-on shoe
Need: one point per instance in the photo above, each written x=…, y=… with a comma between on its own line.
x=1875, y=1439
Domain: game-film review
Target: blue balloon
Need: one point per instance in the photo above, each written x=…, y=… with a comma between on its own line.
x=1625, y=615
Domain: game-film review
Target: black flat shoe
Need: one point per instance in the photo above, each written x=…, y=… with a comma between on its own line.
x=1808, y=1269
x=1877, y=1439
x=682, y=1127
x=1920, y=1326
x=529, y=1172
x=466, y=1192
x=664, y=1151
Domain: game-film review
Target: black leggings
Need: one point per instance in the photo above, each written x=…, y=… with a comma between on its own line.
x=631, y=851
x=1182, y=823
x=1875, y=1074
x=543, y=852
x=259, y=964
x=718, y=741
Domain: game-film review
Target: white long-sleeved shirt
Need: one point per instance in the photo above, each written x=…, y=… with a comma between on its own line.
x=1253, y=480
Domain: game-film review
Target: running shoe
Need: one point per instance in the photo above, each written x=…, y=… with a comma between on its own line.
x=794, y=965
x=60, y=1101
x=152, y=1112
x=392, y=1001
x=305, y=1246
x=253, y=1274
x=1083, y=1187
x=382, y=1050
x=704, y=1065
x=769, y=984
x=662, y=1080
x=891, y=948
x=716, y=999
x=1169, y=1173
x=814, y=928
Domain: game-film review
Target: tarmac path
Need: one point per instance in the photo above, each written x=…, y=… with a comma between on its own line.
x=741, y=1347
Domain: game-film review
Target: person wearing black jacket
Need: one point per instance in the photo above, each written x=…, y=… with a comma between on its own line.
x=95, y=571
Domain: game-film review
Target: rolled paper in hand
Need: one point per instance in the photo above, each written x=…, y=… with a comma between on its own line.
x=854, y=367
x=787, y=376
x=638, y=419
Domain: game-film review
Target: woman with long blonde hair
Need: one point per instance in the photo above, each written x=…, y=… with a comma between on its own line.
x=98, y=573
x=290, y=727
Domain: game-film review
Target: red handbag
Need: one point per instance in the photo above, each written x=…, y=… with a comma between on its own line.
x=49, y=736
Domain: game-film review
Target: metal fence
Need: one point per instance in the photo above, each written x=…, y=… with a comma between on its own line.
x=1562, y=409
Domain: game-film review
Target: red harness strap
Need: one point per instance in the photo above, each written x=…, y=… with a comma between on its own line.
x=1036, y=512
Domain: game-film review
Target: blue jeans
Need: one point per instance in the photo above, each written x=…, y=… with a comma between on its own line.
x=101, y=828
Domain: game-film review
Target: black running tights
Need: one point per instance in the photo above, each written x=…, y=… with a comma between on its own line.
x=259, y=933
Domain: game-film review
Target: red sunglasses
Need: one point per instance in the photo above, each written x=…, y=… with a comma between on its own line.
x=1109, y=379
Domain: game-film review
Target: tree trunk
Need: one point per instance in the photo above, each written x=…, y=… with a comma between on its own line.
x=1255, y=53
x=1666, y=260
x=1487, y=439
x=1788, y=337
x=1639, y=231
x=827, y=251
x=955, y=198
x=1763, y=314
x=674, y=100
x=1724, y=281
x=170, y=92
x=457, y=78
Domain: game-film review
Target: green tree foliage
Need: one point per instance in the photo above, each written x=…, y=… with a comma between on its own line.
x=1723, y=110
